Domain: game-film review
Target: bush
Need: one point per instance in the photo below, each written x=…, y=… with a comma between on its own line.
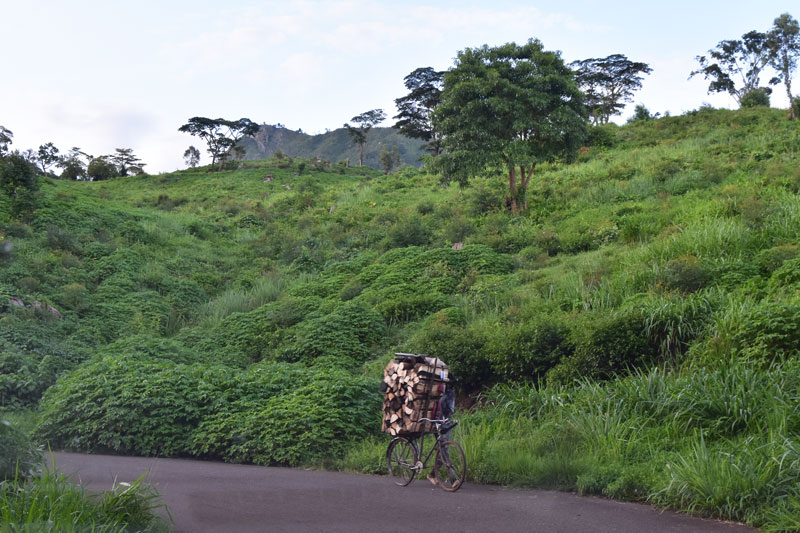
x=269, y=414
x=756, y=98
x=124, y=405
x=445, y=336
x=770, y=328
x=526, y=351
x=409, y=232
x=605, y=346
x=485, y=197
x=348, y=333
x=604, y=135
x=309, y=424
x=685, y=274
x=18, y=456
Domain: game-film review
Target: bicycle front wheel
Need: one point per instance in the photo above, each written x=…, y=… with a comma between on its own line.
x=450, y=468
x=401, y=456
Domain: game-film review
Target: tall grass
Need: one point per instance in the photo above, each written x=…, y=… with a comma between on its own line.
x=722, y=441
x=238, y=300
x=52, y=503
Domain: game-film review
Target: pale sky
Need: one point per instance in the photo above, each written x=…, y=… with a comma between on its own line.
x=106, y=74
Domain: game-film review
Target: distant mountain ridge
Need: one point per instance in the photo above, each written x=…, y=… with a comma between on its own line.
x=333, y=146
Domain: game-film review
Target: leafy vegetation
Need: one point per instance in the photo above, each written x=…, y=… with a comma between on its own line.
x=637, y=321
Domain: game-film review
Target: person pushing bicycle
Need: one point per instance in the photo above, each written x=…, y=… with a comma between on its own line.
x=444, y=410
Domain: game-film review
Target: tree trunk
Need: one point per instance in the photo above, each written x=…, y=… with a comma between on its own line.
x=512, y=188
x=788, y=80
x=361, y=155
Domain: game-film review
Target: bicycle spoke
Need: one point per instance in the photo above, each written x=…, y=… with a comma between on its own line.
x=450, y=467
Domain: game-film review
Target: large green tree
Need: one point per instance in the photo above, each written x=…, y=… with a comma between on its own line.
x=20, y=182
x=511, y=106
x=364, y=122
x=607, y=83
x=734, y=66
x=416, y=108
x=220, y=135
x=784, y=40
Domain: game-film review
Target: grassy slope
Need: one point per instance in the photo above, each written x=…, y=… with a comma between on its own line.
x=675, y=248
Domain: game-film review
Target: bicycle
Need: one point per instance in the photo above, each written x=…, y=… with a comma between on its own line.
x=449, y=468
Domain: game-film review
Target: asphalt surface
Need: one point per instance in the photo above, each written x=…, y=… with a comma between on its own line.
x=209, y=496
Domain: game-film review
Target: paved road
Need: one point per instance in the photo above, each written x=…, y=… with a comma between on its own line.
x=208, y=496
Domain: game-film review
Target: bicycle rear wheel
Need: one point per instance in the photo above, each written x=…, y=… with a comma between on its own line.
x=450, y=467
x=401, y=456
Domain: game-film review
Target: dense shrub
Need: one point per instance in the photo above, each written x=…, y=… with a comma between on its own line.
x=18, y=455
x=124, y=405
x=770, y=329
x=20, y=183
x=527, y=351
x=445, y=335
x=756, y=97
x=275, y=414
x=605, y=346
x=348, y=333
x=685, y=274
x=604, y=136
x=32, y=357
x=306, y=424
x=409, y=232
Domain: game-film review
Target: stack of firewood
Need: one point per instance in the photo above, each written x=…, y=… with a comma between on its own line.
x=412, y=385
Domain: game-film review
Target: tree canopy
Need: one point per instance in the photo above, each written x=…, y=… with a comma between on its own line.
x=784, y=42
x=18, y=180
x=365, y=122
x=6, y=136
x=220, y=135
x=416, y=108
x=513, y=106
x=125, y=162
x=191, y=156
x=734, y=66
x=607, y=83
x=47, y=156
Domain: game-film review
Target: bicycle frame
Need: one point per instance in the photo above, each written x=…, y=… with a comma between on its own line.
x=422, y=464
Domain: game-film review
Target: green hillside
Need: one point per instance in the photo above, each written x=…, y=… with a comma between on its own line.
x=632, y=334
x=333, y=146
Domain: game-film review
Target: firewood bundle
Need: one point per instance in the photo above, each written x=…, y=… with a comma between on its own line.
x=413, y=385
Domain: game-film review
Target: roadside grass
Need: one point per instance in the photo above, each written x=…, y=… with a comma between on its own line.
x=53, y=503
x=721, y=441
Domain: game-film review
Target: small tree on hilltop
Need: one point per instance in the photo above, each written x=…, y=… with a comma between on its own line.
x=512, y=106
x=125, y=162
x=219, y=134
x=72, y=165
x=735, y=66
x=784, y=41
x=6, y=136
x=365, y=121
x=608, y=83
x=416, y=108
x=47, y=156
x=389, y=160
x=191, y=156
x=101, y=168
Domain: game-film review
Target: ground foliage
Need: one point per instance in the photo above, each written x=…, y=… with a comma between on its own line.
x=214, y=314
